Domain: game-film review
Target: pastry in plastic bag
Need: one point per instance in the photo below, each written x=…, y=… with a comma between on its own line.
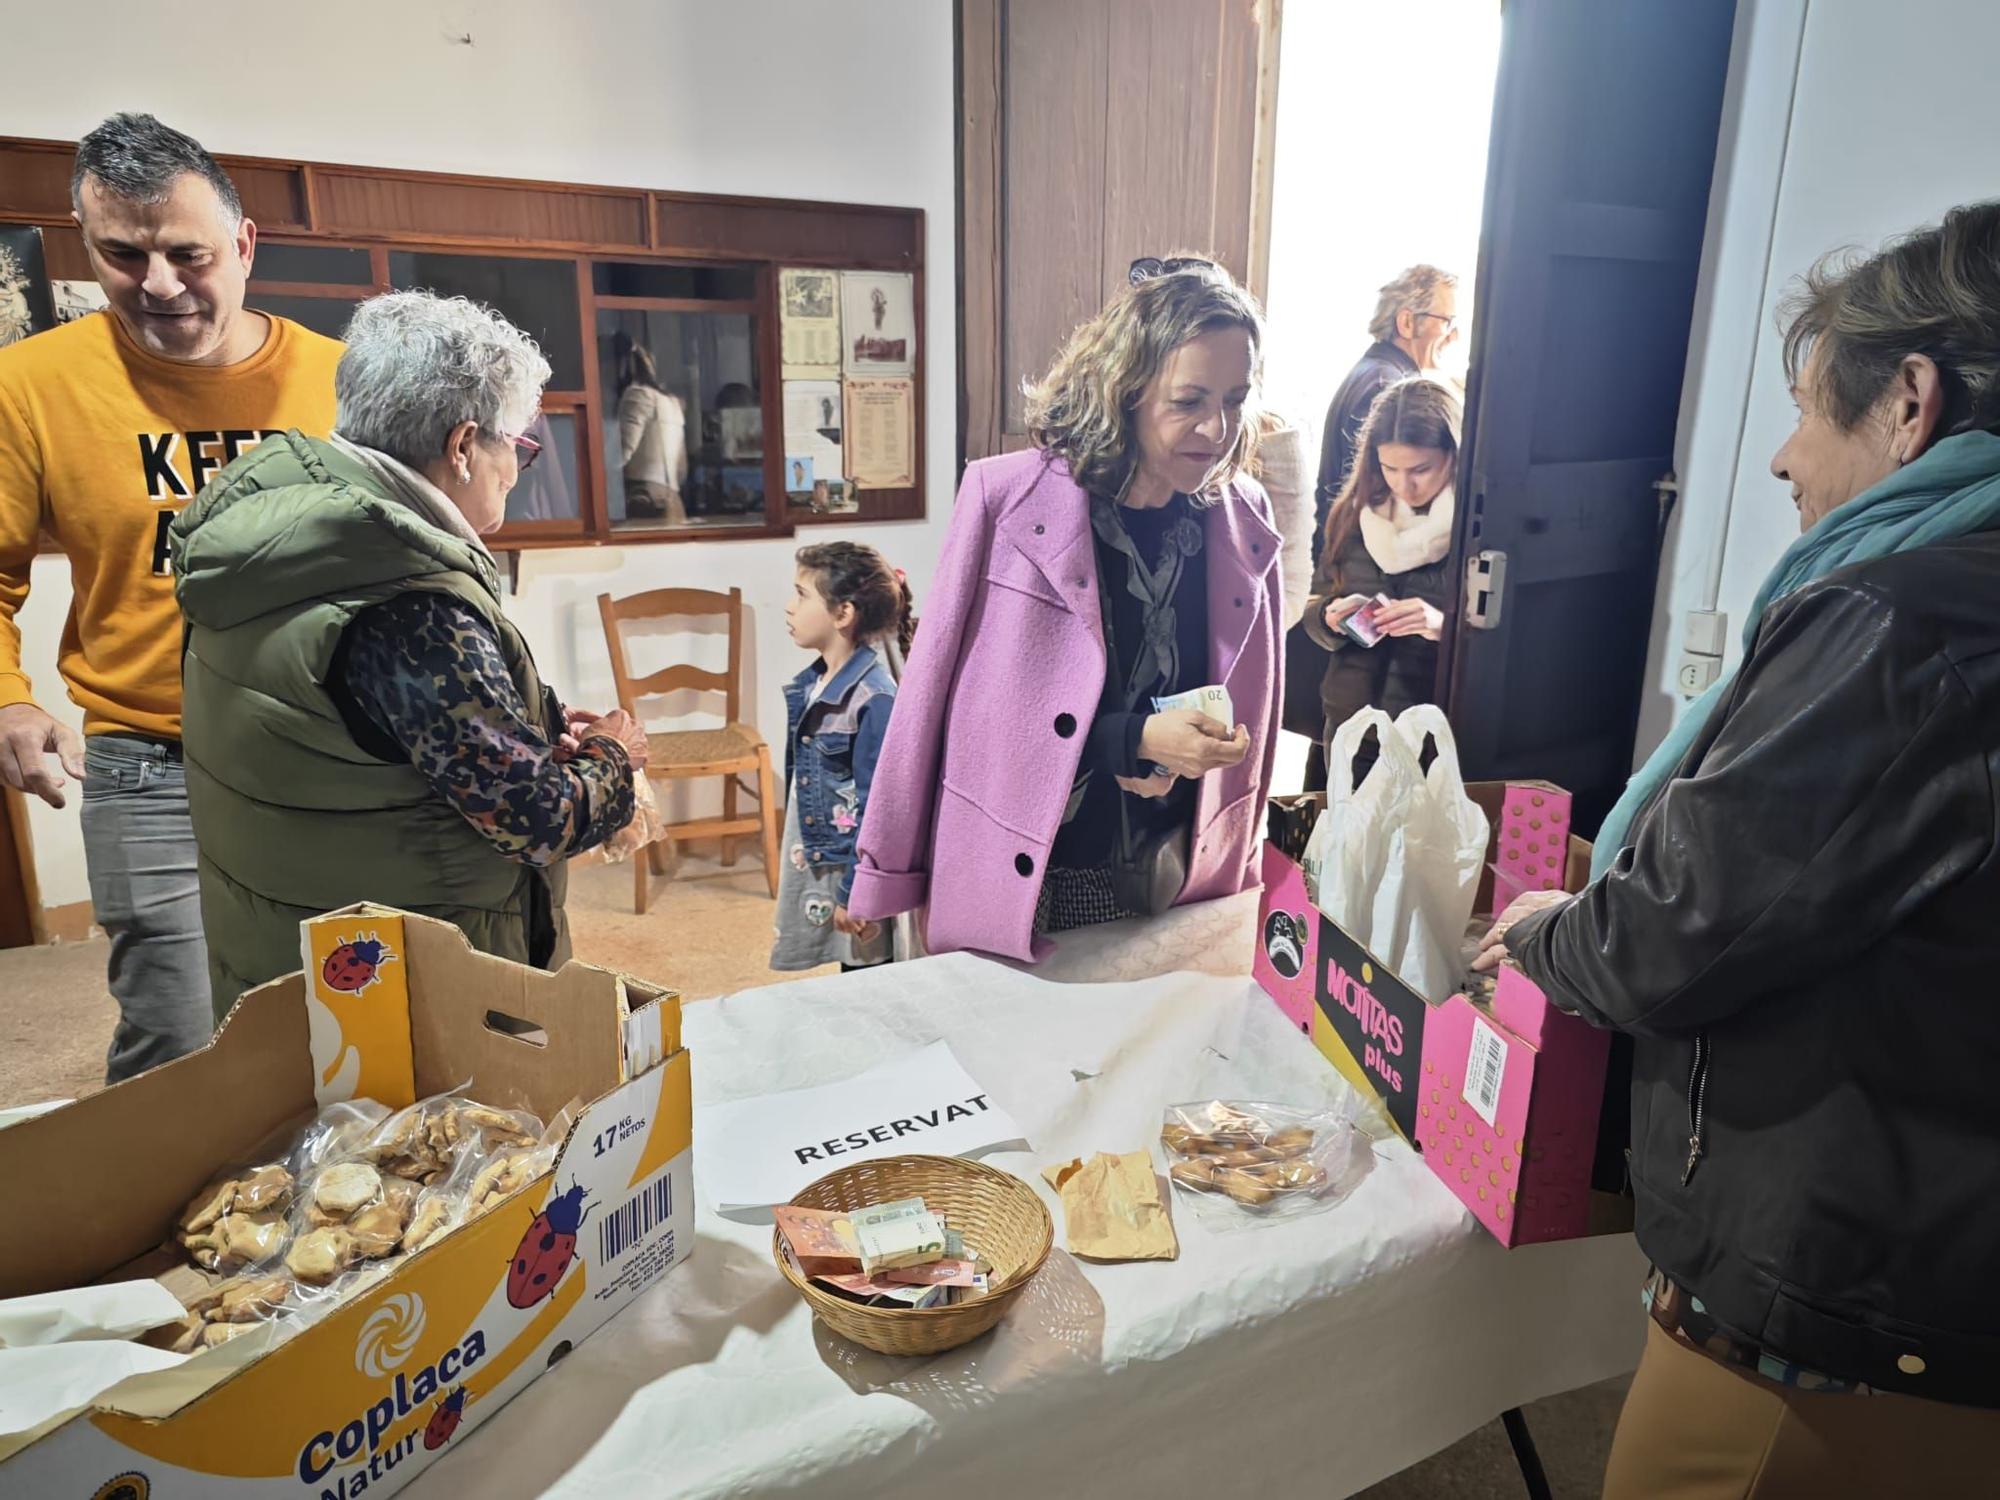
x=1270, y=1159
x=322, y=1254
x=341, y=1191
x=432, y=1219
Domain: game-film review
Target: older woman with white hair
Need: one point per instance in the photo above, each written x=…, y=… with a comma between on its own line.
x=362, y=721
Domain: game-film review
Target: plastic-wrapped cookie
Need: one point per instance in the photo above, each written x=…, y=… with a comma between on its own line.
x=266, y=1190
x=400, y=1193
x=250, y=1298
x=377, y=1230
x=431, y=1220
x=221, y=1333
x=247, y=1239
x=494, y=1125
x=206, y=1206
x=205, y=1250
x=316, y=1258
x=187, y=1334
x=343, y=1190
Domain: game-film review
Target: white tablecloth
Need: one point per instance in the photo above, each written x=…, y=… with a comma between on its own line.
x=1314, y=1356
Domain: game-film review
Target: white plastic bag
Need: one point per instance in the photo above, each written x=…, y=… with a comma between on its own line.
x=1396, y=860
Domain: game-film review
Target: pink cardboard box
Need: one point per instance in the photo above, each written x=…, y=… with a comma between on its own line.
x=1503, y=1100
x=1288, y=939
x=1508, y=1107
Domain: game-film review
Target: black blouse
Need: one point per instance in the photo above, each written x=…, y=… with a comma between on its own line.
x=1111, y=748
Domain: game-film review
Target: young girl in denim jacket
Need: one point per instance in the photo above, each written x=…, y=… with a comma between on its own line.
x=852, y=610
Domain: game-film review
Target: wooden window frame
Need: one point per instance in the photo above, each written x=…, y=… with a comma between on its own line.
x=331, y=204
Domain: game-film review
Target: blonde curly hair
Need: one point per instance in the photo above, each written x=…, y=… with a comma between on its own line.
x=1081, y=410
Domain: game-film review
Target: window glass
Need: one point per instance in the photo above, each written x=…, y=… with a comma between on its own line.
x=683, y=422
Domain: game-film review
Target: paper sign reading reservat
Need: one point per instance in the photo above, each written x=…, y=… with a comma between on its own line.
x=760, y=1151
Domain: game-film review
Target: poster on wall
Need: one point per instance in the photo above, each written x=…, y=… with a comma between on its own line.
x=25, y=305
x=809, y=322
x=834, y=497
x=77, y=299
x=798, y=477
x=878, y=312
x=881, y=447
x=812, y=425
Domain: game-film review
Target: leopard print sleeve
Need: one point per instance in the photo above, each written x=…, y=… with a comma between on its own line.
x=428, y=673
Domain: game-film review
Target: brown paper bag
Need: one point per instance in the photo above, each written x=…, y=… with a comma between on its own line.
x=1113, y=1209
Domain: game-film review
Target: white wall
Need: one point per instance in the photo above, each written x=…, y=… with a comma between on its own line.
x=845, y=100
x=1890, y=124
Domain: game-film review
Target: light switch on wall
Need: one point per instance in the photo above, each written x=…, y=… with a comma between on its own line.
x=1707, y=630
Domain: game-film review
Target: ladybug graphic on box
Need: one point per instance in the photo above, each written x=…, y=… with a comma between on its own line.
x=445, y=1418
x=546, y=1249
x=355, y=964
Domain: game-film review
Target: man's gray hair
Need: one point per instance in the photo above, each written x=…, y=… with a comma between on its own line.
x=417, y=365
x=1416, y=289
x=135, y=157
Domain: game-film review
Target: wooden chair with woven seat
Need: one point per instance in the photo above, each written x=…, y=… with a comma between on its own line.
x=692, y=754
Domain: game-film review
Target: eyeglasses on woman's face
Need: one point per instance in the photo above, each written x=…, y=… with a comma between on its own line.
x=526, y=450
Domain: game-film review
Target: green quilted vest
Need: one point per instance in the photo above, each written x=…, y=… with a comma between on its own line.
x=291, y=816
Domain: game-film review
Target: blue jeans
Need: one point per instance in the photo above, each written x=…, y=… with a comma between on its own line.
x=139, y=846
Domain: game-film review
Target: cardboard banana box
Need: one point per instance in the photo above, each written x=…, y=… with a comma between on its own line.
x=396, y=1008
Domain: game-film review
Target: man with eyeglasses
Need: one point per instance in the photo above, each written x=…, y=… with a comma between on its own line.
x=1416, y=319
x=108, y=426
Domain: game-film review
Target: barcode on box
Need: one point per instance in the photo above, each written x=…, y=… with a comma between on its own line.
x=620, y=1231
x=1485, y=1065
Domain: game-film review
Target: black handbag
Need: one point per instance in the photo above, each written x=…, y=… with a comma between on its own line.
x=1148, y=873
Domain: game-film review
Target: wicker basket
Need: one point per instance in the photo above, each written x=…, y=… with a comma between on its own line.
x=999, y=1216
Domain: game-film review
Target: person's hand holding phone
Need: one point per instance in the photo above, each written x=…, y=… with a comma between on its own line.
x=1191, y=744
x=1337, y=611
x=1407, y=617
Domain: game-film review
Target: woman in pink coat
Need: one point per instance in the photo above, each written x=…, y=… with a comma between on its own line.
x=1028, y=784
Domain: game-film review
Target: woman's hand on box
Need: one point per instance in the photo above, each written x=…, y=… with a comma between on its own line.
x=1493, y=947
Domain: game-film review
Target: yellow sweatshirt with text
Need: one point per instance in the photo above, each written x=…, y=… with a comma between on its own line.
x=101, y=444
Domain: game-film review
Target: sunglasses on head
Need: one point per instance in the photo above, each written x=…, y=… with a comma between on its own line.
x=1146, y=267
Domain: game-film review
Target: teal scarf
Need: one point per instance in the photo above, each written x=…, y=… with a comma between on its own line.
x=1952, y=491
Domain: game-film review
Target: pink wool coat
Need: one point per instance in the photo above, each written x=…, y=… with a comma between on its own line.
x=1000, y=691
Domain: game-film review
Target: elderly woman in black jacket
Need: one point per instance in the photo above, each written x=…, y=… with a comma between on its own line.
x=1797, y=916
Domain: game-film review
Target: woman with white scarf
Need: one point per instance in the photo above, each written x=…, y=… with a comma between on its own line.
x=362, y=721
x=1388, y=537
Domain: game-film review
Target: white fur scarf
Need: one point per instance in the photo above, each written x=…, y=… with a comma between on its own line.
x=1401, y=540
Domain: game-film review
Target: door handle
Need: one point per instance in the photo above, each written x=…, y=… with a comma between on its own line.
x=1485, y=589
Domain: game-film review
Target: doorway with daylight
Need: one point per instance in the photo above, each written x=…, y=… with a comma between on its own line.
x=1380, y=142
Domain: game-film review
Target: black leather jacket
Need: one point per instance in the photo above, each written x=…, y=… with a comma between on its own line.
x=1804, y=938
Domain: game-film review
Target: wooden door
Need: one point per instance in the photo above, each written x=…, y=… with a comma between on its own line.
x=1093, y=132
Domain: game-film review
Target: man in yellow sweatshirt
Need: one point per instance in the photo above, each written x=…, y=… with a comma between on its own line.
x=108, y=426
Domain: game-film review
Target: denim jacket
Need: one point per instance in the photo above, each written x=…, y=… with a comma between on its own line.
x=830, y=752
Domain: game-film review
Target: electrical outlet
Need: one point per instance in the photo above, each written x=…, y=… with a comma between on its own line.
x=1698, y=674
